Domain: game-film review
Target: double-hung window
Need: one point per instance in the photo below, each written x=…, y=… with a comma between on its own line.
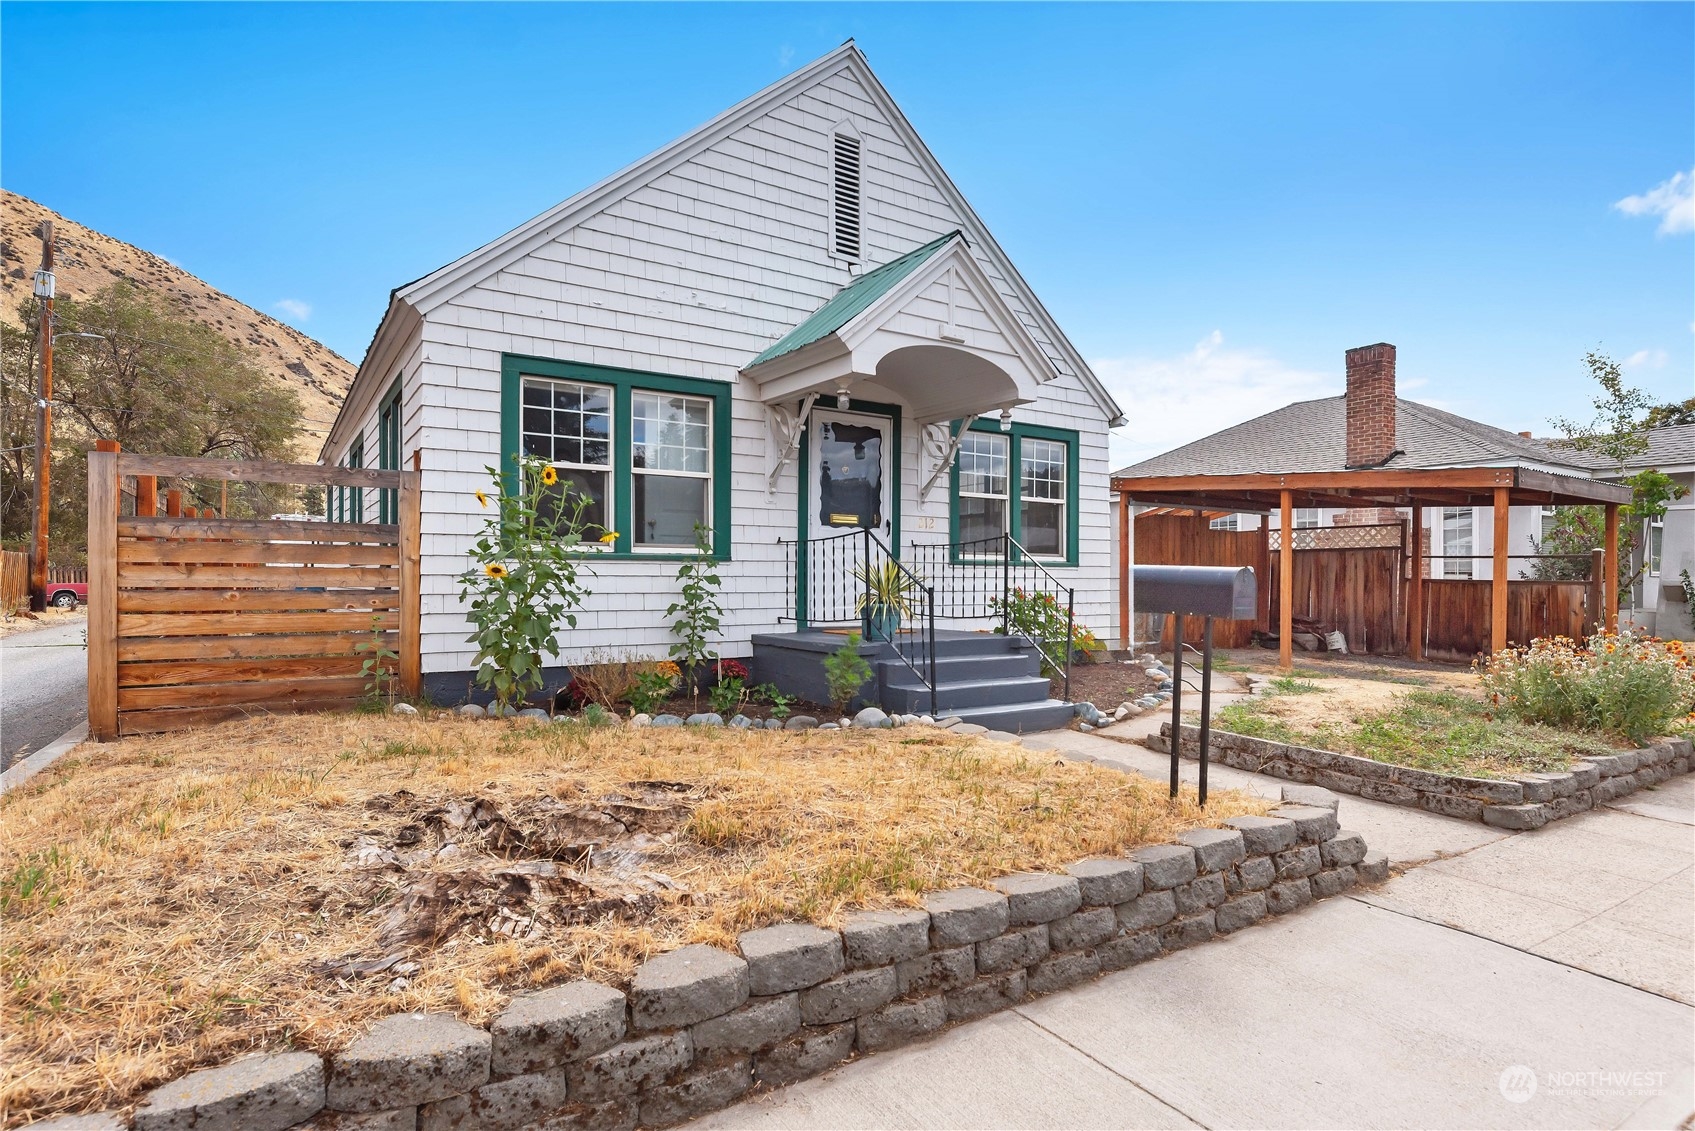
x=569, y=424
x=1022, y=483
x=1226, y=522
x=670, y=467
x=1456, y=542
x=1307, y=518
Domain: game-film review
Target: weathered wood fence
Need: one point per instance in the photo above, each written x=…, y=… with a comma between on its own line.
x=1456, y=614
x=194, y=619
x=14, y=581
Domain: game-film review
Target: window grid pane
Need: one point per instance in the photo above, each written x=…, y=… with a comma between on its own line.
x=1042, y=470
x=671, y=462
x=567, y=423
x=983, y=465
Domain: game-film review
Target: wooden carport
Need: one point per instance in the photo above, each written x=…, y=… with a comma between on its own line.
x=1500, y=487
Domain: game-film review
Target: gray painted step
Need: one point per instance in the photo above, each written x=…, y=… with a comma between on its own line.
x=1022, y=718
x=972, y=644
x=909, y=697
x=954, y=669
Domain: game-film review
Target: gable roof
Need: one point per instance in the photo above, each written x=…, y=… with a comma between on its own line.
x=1310, y=436
x=440, y=285
x=852, y=300
x=1671, y=446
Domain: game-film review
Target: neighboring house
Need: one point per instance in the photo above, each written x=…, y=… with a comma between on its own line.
x=1668, y=545
x=777, y=326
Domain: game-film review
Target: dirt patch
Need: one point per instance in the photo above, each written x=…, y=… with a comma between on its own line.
x=1105, y=684
x=175, y=901
x=1330, y=701
x=19, y=623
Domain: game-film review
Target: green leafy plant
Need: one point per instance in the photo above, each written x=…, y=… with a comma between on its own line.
x=779, y=703
x=597, y=716
x=885, y=586
x=377, y=669
x=650, y=691
x=727, y=694
x=1616, y=683
x=697, y=611
x=526, y=580
x=1040, y=617
x=1688, y=597
x=845, y=672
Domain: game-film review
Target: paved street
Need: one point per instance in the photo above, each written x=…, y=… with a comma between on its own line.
x=43, y=687
x=1566, y=950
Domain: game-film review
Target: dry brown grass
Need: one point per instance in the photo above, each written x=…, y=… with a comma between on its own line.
x=170, y=902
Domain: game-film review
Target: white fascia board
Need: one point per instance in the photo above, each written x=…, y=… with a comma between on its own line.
x=400, y=322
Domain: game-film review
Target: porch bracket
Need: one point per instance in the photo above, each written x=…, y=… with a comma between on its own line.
x=786, y=425
x=944, y=449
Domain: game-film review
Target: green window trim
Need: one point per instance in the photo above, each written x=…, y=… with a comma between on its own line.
x=803, y=464
x=353, y=499
x=388, y=452
x=1015, y=517
x=623, y=382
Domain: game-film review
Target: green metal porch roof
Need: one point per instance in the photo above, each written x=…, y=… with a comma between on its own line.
x=852, y=300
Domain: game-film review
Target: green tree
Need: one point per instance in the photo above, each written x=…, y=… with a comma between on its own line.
x=1666, y=415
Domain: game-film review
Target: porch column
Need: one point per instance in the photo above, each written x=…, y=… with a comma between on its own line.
x=1286, y=582
x=1609, y=569
x=1498, y=586
x=1415, y=588
x=1124, y=563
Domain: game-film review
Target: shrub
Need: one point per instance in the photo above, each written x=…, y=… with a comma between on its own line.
x=1617, y=683
x=650, y=691
x=697, y=610
x=770, y=693
x=612, y=680
x=727, y=694
x=1042, y=618
x=845, y=672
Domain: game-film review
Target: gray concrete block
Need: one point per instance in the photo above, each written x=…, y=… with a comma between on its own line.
x=408, y=1059
x=1199, y=894
x=1516, y=817
x=1337, y=781
x=1127, y=950
x=1063, y=970
x=985, y=996
x=625, y=1067
x=1606, y=789
x=1295, y=863
x=686, y=985
x=1451, y=805
x=848, y=995
x=1315, y=796
x=759, y=1024
x=879, y=938
x=701, y=1091
x=790, y=956
x=1020, y=946
x=1373, y=868
x=1493, y=790
x=805, y=1055
x=1256, y=873
x=1387, y=791
x=1583, y=775
x=1261, y=836
x=1563, y=785
x=394, y=1119
x=1037, y=897
x=1281, y=898
x=901, y=1022
x=1148, y=910
x=1579, y=802
x=1082, y=929
x=965, y=915
x=1107, y=882
x=266, y=1093
x=1215, y=849
x=1333, y=881
x=89, y=1121
x=1243, y=911
x=1166, y=865
x=1608, y=766
x=1535, y=789
x=1346, y=847
x=938, y=970
x=617, y=1114
x=1314, y=825
x=1190, y=931
x=556, y=1025
x=501, y=1105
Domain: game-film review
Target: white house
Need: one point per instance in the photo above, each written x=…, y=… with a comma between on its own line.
x=787, y=325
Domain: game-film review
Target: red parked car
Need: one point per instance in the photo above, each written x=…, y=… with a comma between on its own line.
x=67, y=594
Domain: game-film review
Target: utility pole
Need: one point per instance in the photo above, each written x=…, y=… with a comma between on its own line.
x=43, y=426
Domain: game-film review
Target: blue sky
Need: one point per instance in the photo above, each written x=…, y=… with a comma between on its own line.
x=1214, y=200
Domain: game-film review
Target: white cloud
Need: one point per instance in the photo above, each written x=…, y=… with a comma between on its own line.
x=1172, y=400
x=295, y=309
x=1672, y=201
x=1647, y=359
x=785, y=56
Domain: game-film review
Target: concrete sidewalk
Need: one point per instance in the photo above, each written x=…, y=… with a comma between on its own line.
x=1566, y=950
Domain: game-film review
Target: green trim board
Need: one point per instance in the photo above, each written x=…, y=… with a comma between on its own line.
x=515, y=367
x=803, y=483
x=852, y=300
x=1015, y=515
x=356, y=495
x=388, y=450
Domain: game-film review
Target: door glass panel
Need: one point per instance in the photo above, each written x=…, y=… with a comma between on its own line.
x=850, y=475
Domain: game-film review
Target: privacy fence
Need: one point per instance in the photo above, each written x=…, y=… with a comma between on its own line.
x=195, y=619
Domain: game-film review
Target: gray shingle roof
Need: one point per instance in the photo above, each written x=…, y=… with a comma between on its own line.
x=1311, y=436
x=1673, y=446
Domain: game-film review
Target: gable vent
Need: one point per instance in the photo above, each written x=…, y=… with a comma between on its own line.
x=845, y=201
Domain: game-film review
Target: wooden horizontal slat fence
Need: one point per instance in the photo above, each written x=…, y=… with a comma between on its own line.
x=196, y=619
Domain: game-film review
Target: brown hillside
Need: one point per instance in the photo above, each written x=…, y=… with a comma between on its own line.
x=86, y=260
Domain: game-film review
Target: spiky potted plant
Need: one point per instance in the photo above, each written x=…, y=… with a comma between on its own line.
x=885, y=598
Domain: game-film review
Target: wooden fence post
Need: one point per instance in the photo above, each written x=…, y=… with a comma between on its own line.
x=1596, y=621
x=411, y=520
x=103, y=595
x=1609, y=568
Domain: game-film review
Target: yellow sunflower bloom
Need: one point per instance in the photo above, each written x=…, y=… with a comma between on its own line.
x=609, y=537
x=482, y=498
x=549, y=476
x=495, y=570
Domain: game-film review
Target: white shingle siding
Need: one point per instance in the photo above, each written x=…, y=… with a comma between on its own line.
x=693, y=274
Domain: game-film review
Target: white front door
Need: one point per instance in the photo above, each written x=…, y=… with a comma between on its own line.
x=850, y=490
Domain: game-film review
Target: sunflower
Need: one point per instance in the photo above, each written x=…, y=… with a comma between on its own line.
x=495, y=570
x=549, y=476
x=609, y=537
x=482, y=498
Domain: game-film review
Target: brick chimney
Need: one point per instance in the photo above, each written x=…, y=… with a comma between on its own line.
x=1371, y=404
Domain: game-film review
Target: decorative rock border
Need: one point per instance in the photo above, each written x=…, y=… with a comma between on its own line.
x=1524, y=801
x=700, y=1026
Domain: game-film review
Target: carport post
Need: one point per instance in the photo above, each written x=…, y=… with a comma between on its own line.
x=1498, y=572
x=1609, y=571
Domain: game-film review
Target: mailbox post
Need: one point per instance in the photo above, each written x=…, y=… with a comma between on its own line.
x=1204, y=591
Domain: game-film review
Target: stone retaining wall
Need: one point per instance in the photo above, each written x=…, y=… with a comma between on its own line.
x=699, y=1026
x=1525, y=801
